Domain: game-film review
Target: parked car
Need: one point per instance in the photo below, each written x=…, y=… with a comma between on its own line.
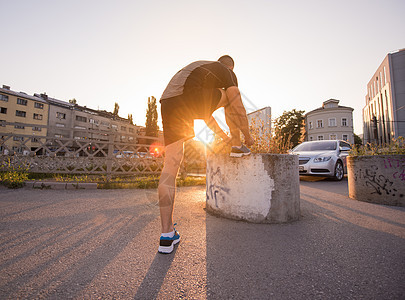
x=323, y=158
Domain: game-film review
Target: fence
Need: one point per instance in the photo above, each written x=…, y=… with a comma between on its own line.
x=107, y=156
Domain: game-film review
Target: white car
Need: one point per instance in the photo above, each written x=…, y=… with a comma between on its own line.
x=323, y=158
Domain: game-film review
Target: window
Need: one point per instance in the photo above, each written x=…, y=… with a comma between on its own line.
x=92, y=121
x=20, y=113
x=81, y=119
x=39, y=105
x=332, y=137
x=311, y=138
x=311, y=125
x=344, y=137
x=35, y=140
x=17, y=149
x=123, y=128
x=113, y=126
x=344, y=122
x=19, y=126
x=2, y=123
x=131, y=130
x=36, y=129
x=3, y=110
x=22, y=101
x=37, y=117
x=58, y=136
x=3, y=98
x=319, y=123
x=105, y=123
x=332, y=122
x=385, y=76
x=80, y=127
x=344, y=144
x=60, y=116
x=320, y=137
x=60, y=125
x=18, y=138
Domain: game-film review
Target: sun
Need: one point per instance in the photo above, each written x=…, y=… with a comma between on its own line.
x=202, y=132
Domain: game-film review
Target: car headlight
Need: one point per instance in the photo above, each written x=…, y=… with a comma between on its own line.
x=322, y=158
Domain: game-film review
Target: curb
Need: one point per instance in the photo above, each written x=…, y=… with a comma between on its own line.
x=44, y=185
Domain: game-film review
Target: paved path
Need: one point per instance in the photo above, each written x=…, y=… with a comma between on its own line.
x=90, y=244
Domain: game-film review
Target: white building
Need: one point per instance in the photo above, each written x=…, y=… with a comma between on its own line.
x=384, y=113
x=261, y=119
x=330, y=122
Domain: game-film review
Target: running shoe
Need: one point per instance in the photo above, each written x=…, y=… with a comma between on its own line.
x=239, y=151
x=166, y=244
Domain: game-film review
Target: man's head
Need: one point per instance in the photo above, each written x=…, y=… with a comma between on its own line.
x=227, y=61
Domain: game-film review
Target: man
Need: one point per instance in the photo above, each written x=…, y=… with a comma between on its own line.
x=195, y=92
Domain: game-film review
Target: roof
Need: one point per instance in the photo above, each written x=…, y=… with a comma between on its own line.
x=329, y=109
x=22, y=95
x=256, y=111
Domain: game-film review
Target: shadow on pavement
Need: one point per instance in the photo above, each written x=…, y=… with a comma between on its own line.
x=331, y=253
x=153, y=281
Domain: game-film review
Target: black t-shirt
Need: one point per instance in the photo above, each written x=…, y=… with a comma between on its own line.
x=196, y=82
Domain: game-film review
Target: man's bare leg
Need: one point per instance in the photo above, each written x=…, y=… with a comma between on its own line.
x=167, y=184
x=233, y=129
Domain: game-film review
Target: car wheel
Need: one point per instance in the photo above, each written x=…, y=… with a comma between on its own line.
x=339, y=172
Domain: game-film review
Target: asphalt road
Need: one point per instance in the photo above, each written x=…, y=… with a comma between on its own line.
x=102, y=244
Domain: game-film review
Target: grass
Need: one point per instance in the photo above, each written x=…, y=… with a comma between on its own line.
x=151, y=183
x=397, y=146
x=15, y=177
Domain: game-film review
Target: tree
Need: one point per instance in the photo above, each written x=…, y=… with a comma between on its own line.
x=116, y=109
x=357, y=140
x=289, y=126
x=130, y=119
x=73, y=101
x=151, y=125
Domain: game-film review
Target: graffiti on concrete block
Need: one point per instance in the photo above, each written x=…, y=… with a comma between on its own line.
x=215, y=186
x=398, y=167
x=379, y=183
x=394, y=163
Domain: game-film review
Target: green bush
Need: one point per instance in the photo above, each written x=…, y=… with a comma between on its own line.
x=15, y=177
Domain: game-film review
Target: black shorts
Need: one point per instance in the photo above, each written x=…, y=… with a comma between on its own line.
x=179, y=113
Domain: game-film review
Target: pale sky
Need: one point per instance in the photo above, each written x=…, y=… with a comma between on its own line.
x=288, y=54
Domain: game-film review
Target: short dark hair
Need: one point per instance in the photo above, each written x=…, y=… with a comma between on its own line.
x=227, y=60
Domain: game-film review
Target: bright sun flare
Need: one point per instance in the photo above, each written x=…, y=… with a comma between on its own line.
x=202, y=132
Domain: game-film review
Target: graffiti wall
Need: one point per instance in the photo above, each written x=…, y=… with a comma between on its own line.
x=378, y=179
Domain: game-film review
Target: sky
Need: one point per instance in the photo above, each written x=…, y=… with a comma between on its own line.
x=288, y=54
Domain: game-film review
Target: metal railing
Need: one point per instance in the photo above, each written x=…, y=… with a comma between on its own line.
x=109, y=156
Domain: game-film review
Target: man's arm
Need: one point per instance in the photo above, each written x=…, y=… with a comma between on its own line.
x=213, y=125
x=238, y=112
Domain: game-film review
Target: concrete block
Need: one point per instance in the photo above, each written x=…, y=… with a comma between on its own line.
x=260, y=188
x=29, y=184
x=46, y=185
x=80, y=185
x=378, y=179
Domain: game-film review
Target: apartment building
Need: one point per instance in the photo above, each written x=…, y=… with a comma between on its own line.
x=22, y=115
x=31, y=117
x=330, y=122
x=70, y=120
x=384, y=112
